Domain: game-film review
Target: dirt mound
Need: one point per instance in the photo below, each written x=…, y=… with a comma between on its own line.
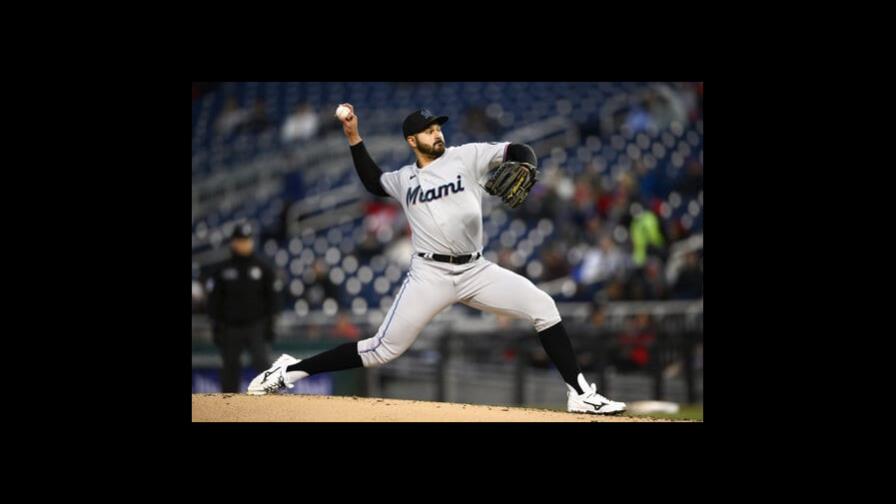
x=311, y=408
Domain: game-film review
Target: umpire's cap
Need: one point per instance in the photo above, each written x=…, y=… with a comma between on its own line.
x=242, y=230
x=419, y=120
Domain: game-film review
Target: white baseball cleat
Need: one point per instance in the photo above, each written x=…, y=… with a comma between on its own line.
x=590, y=401
x=274, y=378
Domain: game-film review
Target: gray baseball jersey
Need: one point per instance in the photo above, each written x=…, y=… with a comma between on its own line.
x=443, y=204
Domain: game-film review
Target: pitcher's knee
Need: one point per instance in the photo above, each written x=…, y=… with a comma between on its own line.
x=545, y=313
x=376, y=352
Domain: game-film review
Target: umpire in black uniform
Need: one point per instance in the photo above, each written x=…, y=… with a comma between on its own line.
x=242, y=305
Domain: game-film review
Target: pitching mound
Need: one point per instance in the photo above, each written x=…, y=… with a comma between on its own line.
x=310, y=408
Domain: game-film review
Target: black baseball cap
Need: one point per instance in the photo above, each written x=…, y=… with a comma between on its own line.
x=242, y=230
x=419, y=120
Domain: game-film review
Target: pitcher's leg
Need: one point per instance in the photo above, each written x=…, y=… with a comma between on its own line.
x=499, y=290
x=421, y=297
x=345, y=356
x=496, y=289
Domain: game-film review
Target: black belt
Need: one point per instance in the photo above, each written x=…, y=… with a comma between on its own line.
x=451, y=259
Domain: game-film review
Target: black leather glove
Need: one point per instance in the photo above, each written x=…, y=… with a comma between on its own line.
x=511, y=181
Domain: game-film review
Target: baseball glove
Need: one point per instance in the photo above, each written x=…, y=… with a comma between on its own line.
x=512, y=181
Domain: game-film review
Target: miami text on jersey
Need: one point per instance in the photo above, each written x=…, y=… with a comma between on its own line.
x=433, y=194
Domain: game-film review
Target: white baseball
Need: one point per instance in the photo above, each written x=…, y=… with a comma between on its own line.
x=342, y=112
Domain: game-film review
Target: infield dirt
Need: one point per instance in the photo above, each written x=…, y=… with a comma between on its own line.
x=312, y=408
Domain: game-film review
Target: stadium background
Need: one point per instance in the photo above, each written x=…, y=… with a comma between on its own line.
x=613, y=231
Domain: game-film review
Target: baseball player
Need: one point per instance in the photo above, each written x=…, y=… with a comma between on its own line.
x=441, y=195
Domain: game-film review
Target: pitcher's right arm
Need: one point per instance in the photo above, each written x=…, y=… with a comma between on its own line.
x=367, y=169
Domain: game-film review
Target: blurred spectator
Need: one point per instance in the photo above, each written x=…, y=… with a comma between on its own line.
x=258, y=119
x=674, y=230
x=649, y=181
x=242, y=305
x=478, y=124
x=584, y=199
x=539, y=205
x=551, y=196
x=369, y=246
x=400, y=250
x=294, y=189
x=633, y=345
x=604, y=202
x=381, y=220
x=616, y=207
x=593, y=230
x=615, y=290
x=504, y=259
x=198, y=297
x=555, y=263
x=654, y=284
x=319, y=286
x=639, y=115
x=691, y=181
x=345, y=329
x=592, y=348
x=601, y=263
x=646, y=234
x=382, y=216
x=646, y=283
x=302, y=125
x=232, y=117
x=691, y=95
x=689, y=284
x=666, y=106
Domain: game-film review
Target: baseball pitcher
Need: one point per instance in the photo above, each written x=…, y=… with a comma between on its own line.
x=441, y=195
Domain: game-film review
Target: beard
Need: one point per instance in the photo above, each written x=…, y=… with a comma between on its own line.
x=433, y=151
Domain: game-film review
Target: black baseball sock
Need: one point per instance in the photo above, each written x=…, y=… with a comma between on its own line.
x=340, y=358
x=556, y=343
